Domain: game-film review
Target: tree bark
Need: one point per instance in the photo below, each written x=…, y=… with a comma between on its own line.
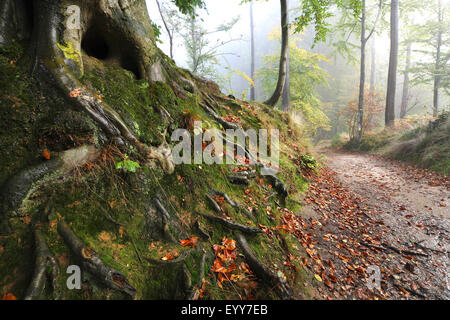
x=252, y=40
x=118, y=31
x=405, y=95
x=169, y=33
x=273, y=100
x=437, y=77
x=393, y=64
x=362, y=77
x=286, y=99
x=373, y=72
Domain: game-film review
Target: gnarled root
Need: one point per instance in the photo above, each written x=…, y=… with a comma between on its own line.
x=44, y=259
x=278, y=185
x=231, y=224
x=92, y=263
x=281, y=287
x=194, y=294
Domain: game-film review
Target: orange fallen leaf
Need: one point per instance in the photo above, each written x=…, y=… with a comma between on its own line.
x=9, y=296
x=191, y=241
x=46, y=154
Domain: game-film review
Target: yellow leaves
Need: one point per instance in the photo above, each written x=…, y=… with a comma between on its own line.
x=70, y=52
x=245, y=76
x=318, y=278
x=104, y=236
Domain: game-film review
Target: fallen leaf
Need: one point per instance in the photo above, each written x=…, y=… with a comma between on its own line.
x=9, y=296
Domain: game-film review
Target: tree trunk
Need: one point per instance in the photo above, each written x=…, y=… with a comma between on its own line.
x=169, y=33
x=437, y=77
x=273, y=100
x=405, y=95
x=362, y=77
x=286, y=98
x=393, y=63
x=373, y=72
x=116, y=31
x=252, y=36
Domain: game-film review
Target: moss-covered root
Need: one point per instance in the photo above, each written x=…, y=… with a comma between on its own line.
x=231, y=224
x=282, y=288
x=92, y=263
x=195, y=291
x=44, y=261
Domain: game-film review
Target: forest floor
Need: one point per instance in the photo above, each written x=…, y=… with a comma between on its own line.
x=365, y=212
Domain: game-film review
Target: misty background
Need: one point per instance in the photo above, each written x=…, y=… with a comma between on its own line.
x=343, y=75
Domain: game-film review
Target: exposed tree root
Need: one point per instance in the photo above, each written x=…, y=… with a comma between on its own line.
x=44, y=260
x=215, y=116
x=239, y=180
x=194, y=294
x=281, y=287
x=231, y=224
x=233, y=203
x=165, y=221
x=214, y=204
x=278, y=185
x=92, y=263
x=201, y=232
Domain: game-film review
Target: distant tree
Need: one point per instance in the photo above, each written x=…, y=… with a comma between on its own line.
x=393, y=64
x=252, y=41
x=202, y=54
x=434, y=44
x=374, y=104
x=305, y=76
x=171, y=19
x=314, y=12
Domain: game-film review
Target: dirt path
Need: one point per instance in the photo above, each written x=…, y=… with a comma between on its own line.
x=366, y=212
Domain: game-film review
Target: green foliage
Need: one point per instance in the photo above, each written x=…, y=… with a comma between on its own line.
x=305, y=75
x=128, y=165
x=309, y=162
x=157, y=32
x=317, y=12
x=188, y=6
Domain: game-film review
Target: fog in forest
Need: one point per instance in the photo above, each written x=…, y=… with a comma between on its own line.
x=341, y=70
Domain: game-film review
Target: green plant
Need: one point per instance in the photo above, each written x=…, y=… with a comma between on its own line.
x=309, y=162
x=127, y=165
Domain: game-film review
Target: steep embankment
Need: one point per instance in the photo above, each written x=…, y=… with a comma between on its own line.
x=67, y=199
x=427, y=147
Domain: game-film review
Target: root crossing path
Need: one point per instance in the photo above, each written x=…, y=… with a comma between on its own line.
x=368, y=216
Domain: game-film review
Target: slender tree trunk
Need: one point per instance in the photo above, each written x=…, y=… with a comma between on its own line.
x=362, y=77
x=405, y=95
x=252, y=36
x=169, y=33
x=393, y=64
x=273, y=100
x=286, y=99
x=373, y=72
x=437, y=77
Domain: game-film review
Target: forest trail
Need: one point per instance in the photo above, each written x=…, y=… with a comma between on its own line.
x=366, y=211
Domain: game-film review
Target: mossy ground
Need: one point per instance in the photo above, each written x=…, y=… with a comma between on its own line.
x=111, y=210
